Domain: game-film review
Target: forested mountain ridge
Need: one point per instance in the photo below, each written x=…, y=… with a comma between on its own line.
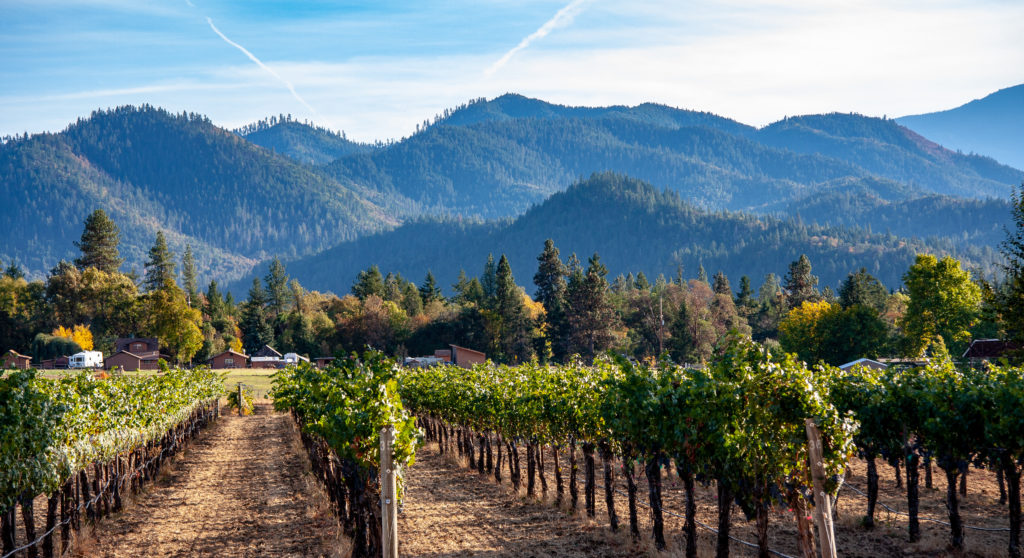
x=301, y=141
x=634, y=226
x=233, y=201
x=990, y=126
x=495, y=158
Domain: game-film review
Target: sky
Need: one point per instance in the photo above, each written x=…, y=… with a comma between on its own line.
x=377, y=69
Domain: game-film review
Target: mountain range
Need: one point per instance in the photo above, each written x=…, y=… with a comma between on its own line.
x=284, y=188
x=990, y=125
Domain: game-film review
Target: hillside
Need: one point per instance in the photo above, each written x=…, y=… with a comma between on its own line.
x=634, y=226
x=496, y=158
x=301, y=141
x=989, y=126
x=233, y=201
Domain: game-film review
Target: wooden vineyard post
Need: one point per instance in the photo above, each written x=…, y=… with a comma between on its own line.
x=822, y=503
x=241, y=403
x=388, y=495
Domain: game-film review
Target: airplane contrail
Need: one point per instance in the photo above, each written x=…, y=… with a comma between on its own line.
x=562, y=18
x=261, y=65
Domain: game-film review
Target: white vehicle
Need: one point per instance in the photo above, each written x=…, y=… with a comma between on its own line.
x=86, y=359
x=294, y=358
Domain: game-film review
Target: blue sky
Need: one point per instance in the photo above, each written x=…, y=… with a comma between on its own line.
x=376, y=69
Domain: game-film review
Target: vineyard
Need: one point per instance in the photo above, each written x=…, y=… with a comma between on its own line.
x=660, y=453
x=85, y=443
x=737, y=425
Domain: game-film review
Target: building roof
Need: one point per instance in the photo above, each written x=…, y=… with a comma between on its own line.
x=16, y=354
x=229, y=351
x=122, y=343
x=267, y=351
x=989, y=348
x=866, y=362
x=456, y=347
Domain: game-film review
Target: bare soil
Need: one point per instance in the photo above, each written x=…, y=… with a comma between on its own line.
x=240, y=490
x=451, y=512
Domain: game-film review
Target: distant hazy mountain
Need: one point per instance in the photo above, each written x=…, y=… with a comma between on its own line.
x=303, y=142
x=990, y=126
x=496, y=158
x=634, y=226
x=235, y=202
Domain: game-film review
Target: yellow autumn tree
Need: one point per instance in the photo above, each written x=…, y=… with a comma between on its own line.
x=800, y=331
x=80, y=334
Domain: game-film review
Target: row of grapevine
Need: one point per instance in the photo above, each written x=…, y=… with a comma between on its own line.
x=739, y=422
x=340, y=411
x=954, y=417
x=56, y=432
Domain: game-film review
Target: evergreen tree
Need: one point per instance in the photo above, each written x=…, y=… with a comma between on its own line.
x=590, y=316
x=681, y=342
x=702, y=275
x=862, y=288
x=99, y=243
x=641, y=283
x=214, y=302
x=721, y=284
x=369, y=282
x=514, y=340
x=489, y=281
x=1010, y=300
x=467, y=291
x=188, y=275
x=550, y=281
x=429, y=291
x=14, y=272
x=160, y=265
x=256, y=330
x=772, y=308
x=800, y=284
x=746, y=304
x=277, y=290
x=412, y=299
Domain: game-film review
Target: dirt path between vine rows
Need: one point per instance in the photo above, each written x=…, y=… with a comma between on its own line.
x=451, y=512
x=239, y=490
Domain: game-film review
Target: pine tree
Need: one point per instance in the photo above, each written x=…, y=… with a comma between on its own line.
x=369, y=282
x=702, y=275
x=800, y=284
x=14, y=272
x=680, y=344
x=278, y=295
x=256, y=330
x=550, y=281
x=160, y=265
x=489, y=281
x=429, y=291
x=514, y=340
x=1011, y=300
x=641, y=283
x=589, y=313
x=214, y=302
x=99, y=243
x=721, y=284
x=862, y=288
x=188, y=275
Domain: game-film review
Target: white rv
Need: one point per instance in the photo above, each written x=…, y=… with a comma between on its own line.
x=86, y=359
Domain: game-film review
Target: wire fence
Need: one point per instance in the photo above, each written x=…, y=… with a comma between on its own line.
x=939, y=521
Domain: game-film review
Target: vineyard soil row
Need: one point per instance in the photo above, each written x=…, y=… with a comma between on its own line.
x=240, y=490
x=980, y=508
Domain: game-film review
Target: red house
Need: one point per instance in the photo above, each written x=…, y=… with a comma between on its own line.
x=13, y=359
x=229, y=359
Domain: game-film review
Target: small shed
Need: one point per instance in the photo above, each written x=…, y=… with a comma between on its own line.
x=59, y=363
x=14, y=359
x=229, y=359
x=123, y=360
x=323, y=362
x=466, y=358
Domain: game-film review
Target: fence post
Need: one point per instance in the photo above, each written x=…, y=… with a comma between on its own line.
x=241, y=402
x=822, y=503
x=388, y=495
